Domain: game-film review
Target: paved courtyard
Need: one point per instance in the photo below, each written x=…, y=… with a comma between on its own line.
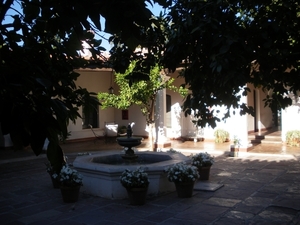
x=260, y=187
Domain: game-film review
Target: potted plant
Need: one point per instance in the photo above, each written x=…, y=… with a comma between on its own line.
x=184, y=177
x=293, y=138
x=221, y=136
x=70, y=183
x=136, y=183
x=122, y=130
x=203, y=161
x=51, y=172
x=235, y=148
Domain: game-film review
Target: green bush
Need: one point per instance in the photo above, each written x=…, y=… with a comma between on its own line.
x=122, y=129
x=293, y=138
x=221, y=136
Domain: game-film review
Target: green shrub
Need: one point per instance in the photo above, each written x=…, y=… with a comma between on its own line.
x=221, y=136
x=293, y=138
x=122, y=129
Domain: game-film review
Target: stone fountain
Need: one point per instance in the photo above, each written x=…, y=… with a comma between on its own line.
x=129, y=142
x=101, y=171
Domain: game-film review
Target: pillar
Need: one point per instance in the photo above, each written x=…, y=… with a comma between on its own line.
x=160, y=109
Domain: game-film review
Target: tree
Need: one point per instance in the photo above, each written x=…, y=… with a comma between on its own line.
x=142, y=93
x=40, y=47
x=226, y=44
x=217, y=40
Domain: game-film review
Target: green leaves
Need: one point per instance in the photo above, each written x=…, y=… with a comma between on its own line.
x=38, y=55
x=218, y=40
x=31, y=10
x=214, y=40
x=141, y=92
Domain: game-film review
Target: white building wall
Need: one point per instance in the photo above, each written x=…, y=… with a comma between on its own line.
x=251, y=102
x=230, y=124
x=94, y=80
x=290, y=118
x=99, y=81
x=266, y=120
x=134, y=115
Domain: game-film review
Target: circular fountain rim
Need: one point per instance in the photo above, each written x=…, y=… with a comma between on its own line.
x=141, y=159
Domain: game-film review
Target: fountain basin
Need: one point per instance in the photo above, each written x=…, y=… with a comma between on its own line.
x=142, y=160
x=129, y=141
x=101, y=172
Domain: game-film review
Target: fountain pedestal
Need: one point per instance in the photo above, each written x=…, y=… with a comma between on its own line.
x=129, y=142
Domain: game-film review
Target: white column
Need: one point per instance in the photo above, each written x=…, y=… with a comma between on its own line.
x=160, y=108
x=176, y=120
x=258, y=101
x=243, y=127
x=239, y=127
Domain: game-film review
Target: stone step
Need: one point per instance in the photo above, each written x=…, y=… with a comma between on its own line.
x=265, y=142
x=265, y=139
x=255, y=141
x=271, y=141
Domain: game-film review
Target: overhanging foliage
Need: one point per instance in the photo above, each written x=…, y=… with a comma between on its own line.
x=220, y=42
x=40, y=48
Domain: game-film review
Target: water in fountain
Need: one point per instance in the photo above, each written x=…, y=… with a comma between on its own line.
x=138, y=159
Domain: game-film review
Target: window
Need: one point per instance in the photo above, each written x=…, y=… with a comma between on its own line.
x=168, y=103
x=90, y=118
x=168, y=111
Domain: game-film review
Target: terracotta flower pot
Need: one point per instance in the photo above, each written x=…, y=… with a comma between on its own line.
x=70, y=194
x=204, y=172
x=137, y=196
x=184, y=189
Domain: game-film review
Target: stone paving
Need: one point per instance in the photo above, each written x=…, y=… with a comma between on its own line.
x=259, y=188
